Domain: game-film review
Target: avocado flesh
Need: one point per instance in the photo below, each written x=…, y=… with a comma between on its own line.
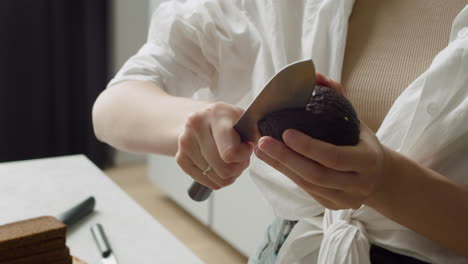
x=328, y=116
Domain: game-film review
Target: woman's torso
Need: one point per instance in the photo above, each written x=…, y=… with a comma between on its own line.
x=388, y=45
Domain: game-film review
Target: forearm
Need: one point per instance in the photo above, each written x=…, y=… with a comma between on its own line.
x=424, y=201
x=139, y=116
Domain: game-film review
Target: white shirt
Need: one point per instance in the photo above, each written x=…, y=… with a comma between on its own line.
x=227, y=50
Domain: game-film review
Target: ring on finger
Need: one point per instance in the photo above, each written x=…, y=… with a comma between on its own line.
x=207, y=170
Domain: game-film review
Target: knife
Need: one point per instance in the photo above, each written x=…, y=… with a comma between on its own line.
x=77, y=212
x=103, y=245
x=291, y=87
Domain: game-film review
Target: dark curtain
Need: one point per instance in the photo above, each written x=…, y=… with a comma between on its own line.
x=53, y=64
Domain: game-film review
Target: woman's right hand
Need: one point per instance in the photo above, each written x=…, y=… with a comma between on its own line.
x=209, y=139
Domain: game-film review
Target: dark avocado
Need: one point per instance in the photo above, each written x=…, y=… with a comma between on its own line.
x=328, y=116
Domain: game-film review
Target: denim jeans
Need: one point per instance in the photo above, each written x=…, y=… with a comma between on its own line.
x=268, y=249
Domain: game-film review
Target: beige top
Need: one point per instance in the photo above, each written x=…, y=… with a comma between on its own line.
x=389, y=44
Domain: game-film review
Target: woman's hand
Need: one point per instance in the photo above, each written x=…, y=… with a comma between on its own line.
x=343, y=177
x=338, y=177
x=209, y=139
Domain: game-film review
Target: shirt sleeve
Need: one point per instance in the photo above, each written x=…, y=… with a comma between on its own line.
x=428, y=120
x=185, y=43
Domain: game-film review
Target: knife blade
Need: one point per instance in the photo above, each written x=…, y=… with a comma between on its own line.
x=103, y=245
x=291, y=87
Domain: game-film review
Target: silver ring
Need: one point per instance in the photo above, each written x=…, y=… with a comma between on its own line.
x=207, y=170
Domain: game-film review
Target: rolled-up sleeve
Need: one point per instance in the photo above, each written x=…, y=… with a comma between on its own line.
x=185, y=43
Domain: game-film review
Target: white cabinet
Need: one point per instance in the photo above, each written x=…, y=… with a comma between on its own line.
x=237, y=213
x=171, y=179
x=241, y=215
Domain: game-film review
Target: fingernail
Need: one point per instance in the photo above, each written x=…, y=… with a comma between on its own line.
x=256, y=150
x=323, y=76
x=260, y=140
x=289, y=134
x=264, y=146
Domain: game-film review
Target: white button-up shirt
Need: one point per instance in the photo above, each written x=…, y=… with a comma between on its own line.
x=227, y=50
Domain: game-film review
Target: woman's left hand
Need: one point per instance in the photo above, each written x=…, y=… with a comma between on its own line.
x=338, y=177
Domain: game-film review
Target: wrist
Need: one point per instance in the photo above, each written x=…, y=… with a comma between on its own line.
x=386, y=186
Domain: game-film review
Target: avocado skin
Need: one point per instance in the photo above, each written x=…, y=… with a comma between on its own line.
x=328, y=116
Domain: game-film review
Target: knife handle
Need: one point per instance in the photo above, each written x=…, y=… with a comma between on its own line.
x=199, y=192
x=101, y=240
x=79, y=211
